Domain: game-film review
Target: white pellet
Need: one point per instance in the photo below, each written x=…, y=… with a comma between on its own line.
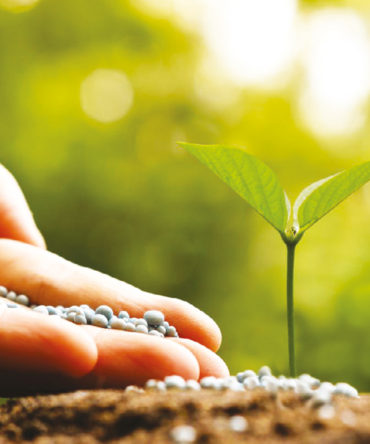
x=208, y=382
x=80, y=319
x=104, y=310
x=134, y=388
x=348, y=418
x=151, y=383
x=220, y=385
x=154, y=317
x=174, y=381
x=327, y=411
x=75, y=309
x=117, y=323
x=251, y=382
x=192, y=384
x=272, y=386
x=161, y=386
x=282, y=383
x=89, y=314
x=327, y=386
x=41, y=309
x=99, y=320
x=183, y=434
x=141, y=321
x=22, y=299
x=303, y=389
x=156, y=385
x=11, y=296
x=130, y=327
x=141, y=329
x=246, y=374
x=224, y=384
x=71, y=316
x=267, y=378
x=264, y=371
x=321, y=397
x=171, y=331
x=52, y=310
x=291, y=384
x=123, y=314
x=342, y=388
x=236, y=387
x=238, y=424
x=308, y=379
x=161, y=329
x=230, y=379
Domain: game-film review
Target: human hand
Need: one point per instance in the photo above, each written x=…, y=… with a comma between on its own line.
x=39, y=353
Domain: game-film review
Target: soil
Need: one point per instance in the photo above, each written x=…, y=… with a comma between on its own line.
x=118, y=416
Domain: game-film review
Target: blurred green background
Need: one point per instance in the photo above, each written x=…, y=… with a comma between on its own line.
x=95, y=93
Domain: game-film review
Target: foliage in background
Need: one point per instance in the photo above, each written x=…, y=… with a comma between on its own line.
x=122, y=198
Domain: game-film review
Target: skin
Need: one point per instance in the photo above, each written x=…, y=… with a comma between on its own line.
x=47, y=354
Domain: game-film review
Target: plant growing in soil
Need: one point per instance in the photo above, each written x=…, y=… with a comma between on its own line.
x=256, y=183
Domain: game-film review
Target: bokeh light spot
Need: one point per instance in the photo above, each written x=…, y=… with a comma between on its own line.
x=18, y=5
x=337, y=72
x=106, y=95
x=253, y=40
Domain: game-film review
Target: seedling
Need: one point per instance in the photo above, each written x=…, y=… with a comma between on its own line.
x=256, y=183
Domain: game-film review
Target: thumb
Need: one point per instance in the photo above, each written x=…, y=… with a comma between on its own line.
x=32, y=342
x=16, y=220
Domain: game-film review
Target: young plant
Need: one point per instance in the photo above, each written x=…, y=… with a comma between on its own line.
x=258, y=185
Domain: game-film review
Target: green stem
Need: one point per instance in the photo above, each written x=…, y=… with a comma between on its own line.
x=290, y=305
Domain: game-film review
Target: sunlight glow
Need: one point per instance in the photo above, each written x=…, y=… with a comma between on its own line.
x=185, y=13
x=336, y=61
x=253, y=40
x=106, y=95
x=262, y=44
x=18, y=5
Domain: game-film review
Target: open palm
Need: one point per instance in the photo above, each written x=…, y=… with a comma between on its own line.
x=41, y=353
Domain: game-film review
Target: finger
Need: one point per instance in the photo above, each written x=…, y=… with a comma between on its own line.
x=30, y=341
x=133, y=358
x=123, y=359
x=210, y=364
x=16, y=220
x=48, y=279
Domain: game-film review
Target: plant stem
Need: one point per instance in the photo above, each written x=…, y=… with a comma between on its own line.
x=290, y=305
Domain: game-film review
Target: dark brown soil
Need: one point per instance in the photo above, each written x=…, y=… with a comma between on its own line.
x=114, y=416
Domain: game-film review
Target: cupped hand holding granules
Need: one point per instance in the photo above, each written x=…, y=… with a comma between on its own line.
x=40, y=353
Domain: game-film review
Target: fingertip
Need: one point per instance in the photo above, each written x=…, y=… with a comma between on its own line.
x=77, y=352
x=17, y=221
x=210, y=364
x=133, y=358
x=39, y=240
x=35, y=238
x=214, y=335
x=164, y=359
x=193, y=323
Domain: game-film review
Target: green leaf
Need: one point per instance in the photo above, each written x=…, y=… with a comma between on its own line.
x=320, y=197
x=249, y=177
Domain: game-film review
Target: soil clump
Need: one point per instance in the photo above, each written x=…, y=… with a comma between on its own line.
x=119, y=416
